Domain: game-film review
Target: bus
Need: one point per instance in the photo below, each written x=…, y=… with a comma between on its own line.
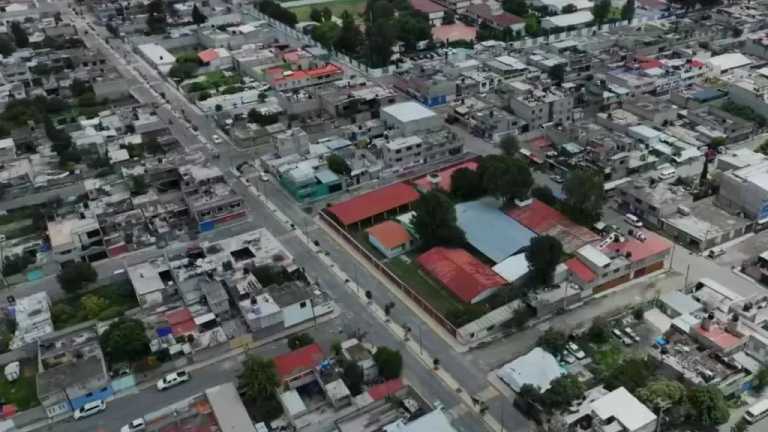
x=757, y=412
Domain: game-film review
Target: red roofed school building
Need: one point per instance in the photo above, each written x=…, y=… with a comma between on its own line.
x=442, y=178
x=545, y=220
x=281, y=79
x=387, y=201
x=464, y=275
x=617, y=259
x=390, y=238
x=297, y=368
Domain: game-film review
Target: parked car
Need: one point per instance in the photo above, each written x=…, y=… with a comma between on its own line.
x=264, y=177
x=134, y=426
x=631, y=333
x=89, y=409
x=617, y=333
x=633, y=220
x=716, y=252
x=557, y=179
x=216, y=139
x=568, y=358
x=576, y=351
x=173, y=379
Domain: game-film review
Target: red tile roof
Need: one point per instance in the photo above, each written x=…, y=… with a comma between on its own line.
x=504, y=19
x=543, y=219
x=277, y=74
x=380, y=391
x=578, y=268
x=719, y=336
x=390, y=234
x=424, y=184
x=298, y=361
x=374, y=203
x=426, y=6
x=653, y=244
x=178, y=315
x=466, y=276
x=208, y=55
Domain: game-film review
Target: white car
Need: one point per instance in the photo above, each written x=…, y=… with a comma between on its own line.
x=216, y=139
x=89, y=409
x=134, y=426
x=173, y=379
x=576, y=351
x=264, y=177
x=631, y=333
x=568, y=358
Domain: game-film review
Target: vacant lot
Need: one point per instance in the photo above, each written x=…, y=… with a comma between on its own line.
x=23, y=391
x=102, y=303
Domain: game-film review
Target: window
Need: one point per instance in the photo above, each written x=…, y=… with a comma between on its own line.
x=302, y=305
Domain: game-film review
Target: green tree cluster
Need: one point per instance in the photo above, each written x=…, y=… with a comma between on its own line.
x=506, y=178
x=338, y=165
x=435, y=220
x=584, y=196
x=277, y=12
x=543, y=255
x=157, y=19
x=75, y=276
x=258, y=383
x=389, y=362
x=125, y=341
x=299, y=341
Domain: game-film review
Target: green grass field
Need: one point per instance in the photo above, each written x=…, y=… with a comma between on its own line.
x=23, y=391
x=437, y=296
x=355, y=7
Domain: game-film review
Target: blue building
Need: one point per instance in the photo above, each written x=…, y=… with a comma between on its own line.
x=72, y=371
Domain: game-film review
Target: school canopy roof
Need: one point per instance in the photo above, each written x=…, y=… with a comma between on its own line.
x=373, y=203
x=464, y=275
x=490, y=231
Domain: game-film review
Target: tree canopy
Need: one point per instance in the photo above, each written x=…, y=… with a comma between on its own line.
x=584, y=196
x=20, y=37
x=349, y=37
x=277, y=12
x=389, y=362
x=569, y=8
x=601, y=10
x=505, y=177
x=157, y=20
x=435, y=220
x=75, y=276
x=562, y=392
x=338, y=165
x=125, y=341
x=632, y=373
x=553, y=341
x=708, y=406
x=509, y=145
x=628, y=10
x=259, y=381
x=543, y=256
x=300, y=340
x=326, y=33
x=466, y=184
x=544, y=194
x=198, y=17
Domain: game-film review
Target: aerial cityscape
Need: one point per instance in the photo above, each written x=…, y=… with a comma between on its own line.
x=384, y=216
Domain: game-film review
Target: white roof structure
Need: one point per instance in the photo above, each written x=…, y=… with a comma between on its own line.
x=409, y=111
x=228, y=409
x=431, y=422
x=594, y=256
x=6, y=143
x=725, y=62
x=157, y=54
x=624, y=408
x=566, y=20
x=293, y=403
x=512, y=268
x=538, y=368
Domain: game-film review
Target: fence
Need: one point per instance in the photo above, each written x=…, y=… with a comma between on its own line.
x=423, y=304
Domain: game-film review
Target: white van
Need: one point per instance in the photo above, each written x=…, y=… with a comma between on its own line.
x=89, y=409
x=633, y=220
x=665, y=172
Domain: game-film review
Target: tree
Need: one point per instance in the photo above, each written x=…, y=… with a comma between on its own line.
x=327, y=14
x=338, y=165
x=389, y=362
x=349, y=36
x=532, y=25
x=139, y=185
x=553, y=341
x=326, y=33
x=449, y=17
x=381, y=33
x=740, y=426
x=628, y=10
x=584, y=196
x=353, y=378
x=80, y=87
x=562, y=392
x=544, y=194
x=708, y=406
x=156, y=17
x=6, y=46
x=299, y=341
x=569, y=8
x=17, y=263
x=763, y=148
x=515, y=7
x=198, y=17
x=20, y=37
x=662, y=393
x=75, y=276
x=717, y=142
x=259, y=382
x=183, y=71
x=93, y=305
x=600, y=11
x=557, y=73
x=277, y=12
x=435, y=220
x=509, y=145
x=543, y=256
x=760, y=381
x=632, y=373
x=504, y=177
x=125, y=341
x=466, y=184
x=316, y=15
x=599, y=332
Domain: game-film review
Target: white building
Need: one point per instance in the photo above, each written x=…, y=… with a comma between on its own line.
x=33, y=319
x=76, y=239
x=538, y=368
x=410, y=118
x=7, y=149
x=575, y=19
x=540, y=106
x=619, y=411
x=718, y=65
x=157, y=56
